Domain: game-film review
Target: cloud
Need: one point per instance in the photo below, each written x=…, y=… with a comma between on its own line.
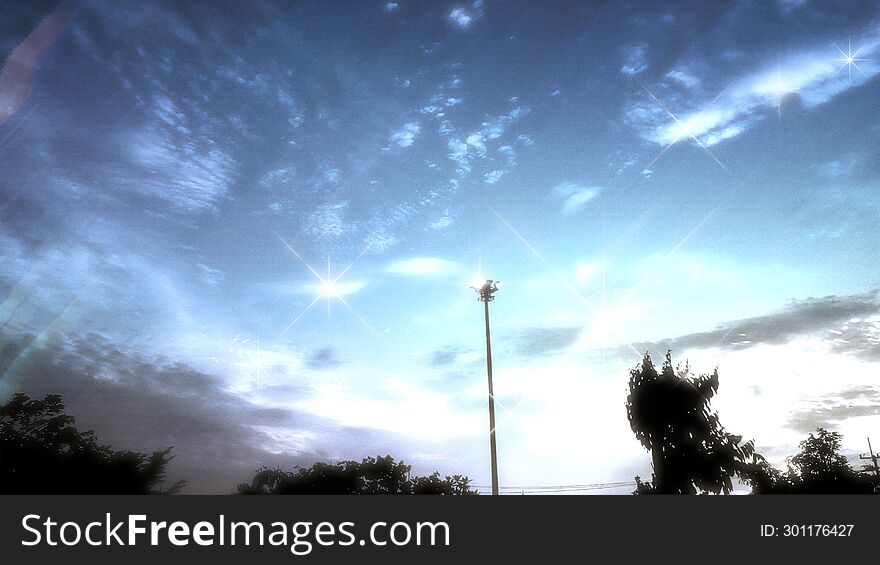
x=852, y=165
x=859, y=337
x=327, y=221
x=420, y=266
x=441, y=223
x=168, y=161
x=634, y=60
x=447, y=355
x=145, y=404
x=495, y=127
x=282, y=177
x=814, y=77
x=830, y=410
x=538, y=341
x=493, y=177
x=324, y=358
x=476, y=142
x=210, y=276
x=475, y=146
x=220, y=435
x=458, y=152
x=683, y=78
x=460, y=17
x=576, y=196
x=508, y=153
x=850, y=324
x=464, y=16
x=406, y=135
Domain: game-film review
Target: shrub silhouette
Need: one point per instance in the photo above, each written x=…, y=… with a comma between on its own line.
x=379, y=475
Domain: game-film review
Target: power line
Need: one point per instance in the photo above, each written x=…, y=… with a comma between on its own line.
x=558, y=489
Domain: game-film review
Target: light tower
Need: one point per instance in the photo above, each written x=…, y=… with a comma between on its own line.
x=486, y=294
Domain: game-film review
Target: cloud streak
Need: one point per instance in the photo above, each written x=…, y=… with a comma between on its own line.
x=575, y=195
x=814, y=77
x=829, y=411
x=850, y=324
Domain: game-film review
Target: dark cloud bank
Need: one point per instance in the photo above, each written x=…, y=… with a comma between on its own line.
x=144, y=404
x=843, y=321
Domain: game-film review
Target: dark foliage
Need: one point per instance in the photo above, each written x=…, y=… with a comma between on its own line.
x=670, y=415
x=818, y=468
x=380, y=475
x=42, y=452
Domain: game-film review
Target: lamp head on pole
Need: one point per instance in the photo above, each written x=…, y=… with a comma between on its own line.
x=486, y=292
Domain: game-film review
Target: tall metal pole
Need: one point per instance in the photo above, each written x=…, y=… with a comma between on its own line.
x=486, y=294
x=491, y=405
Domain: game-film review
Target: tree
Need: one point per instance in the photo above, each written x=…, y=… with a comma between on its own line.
x=819, y=459
x=380, y=475
x=670, y=415
x=819, y=468
x=42, y=452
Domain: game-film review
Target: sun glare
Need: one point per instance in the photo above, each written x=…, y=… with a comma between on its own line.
x=330, y=289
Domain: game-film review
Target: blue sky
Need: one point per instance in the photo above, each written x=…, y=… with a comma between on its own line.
x=250, y=230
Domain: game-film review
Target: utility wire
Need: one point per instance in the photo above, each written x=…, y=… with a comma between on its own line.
x=548, y=489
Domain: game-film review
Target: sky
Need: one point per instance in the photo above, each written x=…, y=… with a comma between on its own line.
x=249, y=230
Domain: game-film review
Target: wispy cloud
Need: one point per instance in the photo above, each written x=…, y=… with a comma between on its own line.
x=830, y=410
x=508, y=153
x=210, y=276
x=575, y=195
x=538, y=341
x=814, y=76
x=170, y=162
x=406, y=136
x=328, y=221
x=423, y=266
x=849, y=324
x=635, y=59
x=493, y=177
x=847, y=166
x=683, y=78
x=476, y=145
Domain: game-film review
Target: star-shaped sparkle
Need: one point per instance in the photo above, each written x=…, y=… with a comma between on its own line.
x=327, y=287
x=850, y=59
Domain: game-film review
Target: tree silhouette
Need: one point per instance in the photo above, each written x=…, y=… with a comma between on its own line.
x=670, y=415
x=818, y=468
x=380, y=475
x=42, y=452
